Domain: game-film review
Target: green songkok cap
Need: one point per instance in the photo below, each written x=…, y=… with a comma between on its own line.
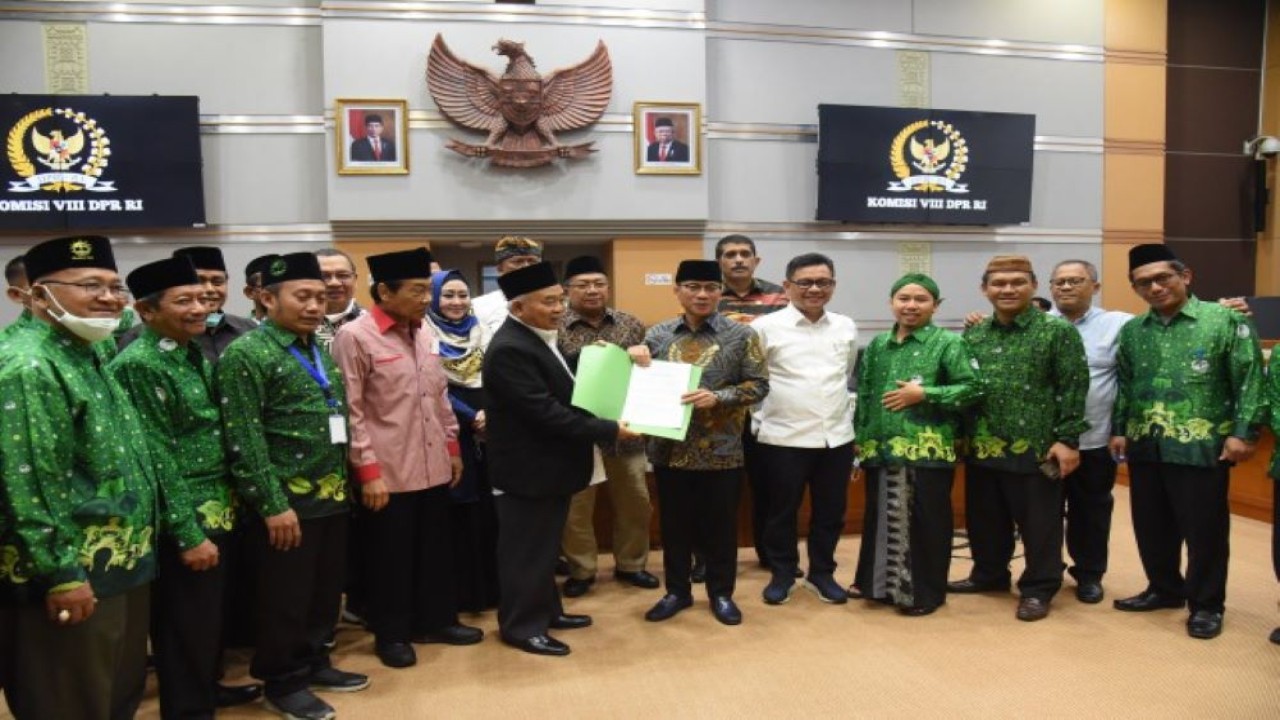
x=920, y=279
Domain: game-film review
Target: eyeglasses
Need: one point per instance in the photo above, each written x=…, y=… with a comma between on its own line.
x=710, y=288
x=96, y=289
x=809, y=284
x=339, y=276
x=1068, y=282
x=593, y=285
x=1163, y=280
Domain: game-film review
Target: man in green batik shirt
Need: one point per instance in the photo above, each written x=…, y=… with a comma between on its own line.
x=1023, y=438
x=171, y=384
x=79, y=497
x=1190, y=406
x=1273, y=410
x=284, y=412
x=913, y=381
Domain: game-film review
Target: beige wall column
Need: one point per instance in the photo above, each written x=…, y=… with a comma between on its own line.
x=1134, y=140
x=1268, y=273
x=634, y=267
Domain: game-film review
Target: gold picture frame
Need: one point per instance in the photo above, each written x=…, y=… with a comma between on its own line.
x=355, y=120
x=681, y=154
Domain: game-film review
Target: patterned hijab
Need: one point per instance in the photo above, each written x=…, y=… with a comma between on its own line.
x=461, y=341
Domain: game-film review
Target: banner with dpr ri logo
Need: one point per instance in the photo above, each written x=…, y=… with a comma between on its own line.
x=96, y=161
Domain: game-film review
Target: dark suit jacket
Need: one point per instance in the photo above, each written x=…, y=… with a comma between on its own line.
x=679, y=152
x=539, y=445
x=362, y=150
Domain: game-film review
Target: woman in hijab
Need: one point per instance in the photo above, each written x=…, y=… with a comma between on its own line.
x=462, y=343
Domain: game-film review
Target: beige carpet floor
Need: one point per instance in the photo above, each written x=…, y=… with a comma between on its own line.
x=971, y=659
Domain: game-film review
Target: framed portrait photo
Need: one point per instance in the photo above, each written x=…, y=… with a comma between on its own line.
x=668, y=138
x=372, y=136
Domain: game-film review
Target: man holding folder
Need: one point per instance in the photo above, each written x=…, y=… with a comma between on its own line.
x=698, y=477
x=540, y=454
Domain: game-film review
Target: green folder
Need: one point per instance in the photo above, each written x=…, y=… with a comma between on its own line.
x=602, y=381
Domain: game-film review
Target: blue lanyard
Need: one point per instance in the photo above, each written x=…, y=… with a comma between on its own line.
x=316, y=371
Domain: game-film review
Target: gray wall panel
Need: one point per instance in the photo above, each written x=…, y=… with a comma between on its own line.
x=252, y=179
x=1066, y=190
x=784, y=82
x=395, y=65
x=1056, y=21
x=1065, y=97
x=445, y=185
x=889, y=15
x=763, y=181
x=22, y=57
x=234, y=70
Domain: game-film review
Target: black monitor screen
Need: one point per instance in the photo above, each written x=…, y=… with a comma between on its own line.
x=76, y=162
x=912, y=165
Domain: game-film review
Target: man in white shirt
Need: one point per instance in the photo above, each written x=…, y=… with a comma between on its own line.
x=511, y=252
x=805, y=426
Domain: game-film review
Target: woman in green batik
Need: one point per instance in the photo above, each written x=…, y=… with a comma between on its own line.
x=912, y=382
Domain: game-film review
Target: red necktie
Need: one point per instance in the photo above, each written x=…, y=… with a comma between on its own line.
x=662, y=153
x=377, y=150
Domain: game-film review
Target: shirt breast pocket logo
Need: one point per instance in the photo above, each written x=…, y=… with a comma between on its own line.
x=387, y=359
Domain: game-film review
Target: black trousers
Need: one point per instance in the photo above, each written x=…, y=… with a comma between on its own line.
x=761, y=501
x=1275, y=528
x=906, y=536
x=186, y=631
x=699, y=508
x=1088, y=503
x=786, y=471
x=299, y=592
x=408, y=558
x=995, y=503
x=1176, y=504
x=94, y=670
x=529, y=532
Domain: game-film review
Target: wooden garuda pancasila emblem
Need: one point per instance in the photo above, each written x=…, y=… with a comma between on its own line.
x=521, y=110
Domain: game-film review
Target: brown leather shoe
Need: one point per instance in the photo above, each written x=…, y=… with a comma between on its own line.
x=1031, y=609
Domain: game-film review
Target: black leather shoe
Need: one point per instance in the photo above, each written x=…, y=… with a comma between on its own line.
x=917, y=610
x=967, y=586
x=1089, y=591
x=827, y=589
x=395, y=654
x=1031, y=609
x=639, y=578
x=301, y=705
x=1274, y=637
x=539, y=645
x=699, y=572
x=573, y=587
x=667, y=607
x=725, y=610
x=566, y=621
x=226, y=696
x=853, y=592
x=1204, y=625
x=456, y=634
x=335, y=680
x=1148, y=600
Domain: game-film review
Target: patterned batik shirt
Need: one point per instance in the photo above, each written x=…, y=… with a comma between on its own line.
x=24, y=319
x=763, y=298
x=733, y=366
x=1188, y=384
x=328, y=329
x=926, y=433
x=171, y=387
x=276, y=420
x=1034, y=382
x=617, y=327
x=78, y=480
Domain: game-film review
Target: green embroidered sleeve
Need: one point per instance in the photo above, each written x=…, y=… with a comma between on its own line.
x=1273, y=408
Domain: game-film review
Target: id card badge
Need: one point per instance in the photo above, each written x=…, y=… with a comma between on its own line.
x=337, y=430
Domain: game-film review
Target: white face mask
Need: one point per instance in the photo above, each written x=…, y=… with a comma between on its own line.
x=90, y=329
